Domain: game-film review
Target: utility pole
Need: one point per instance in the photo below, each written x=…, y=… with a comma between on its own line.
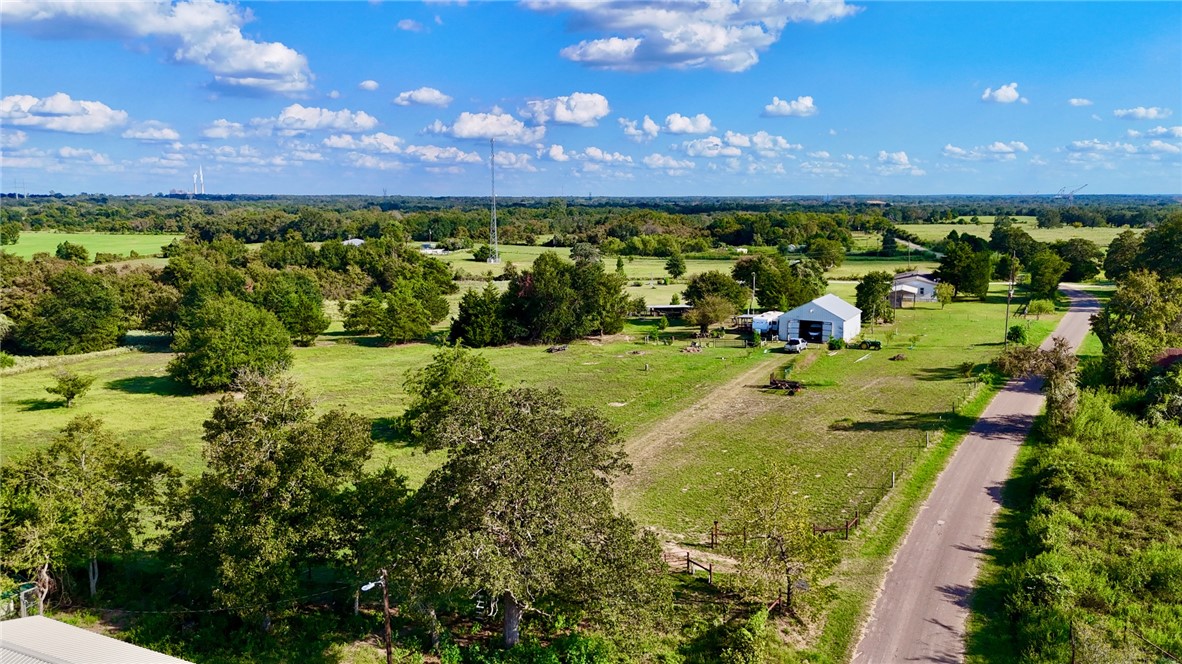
x=386, y=613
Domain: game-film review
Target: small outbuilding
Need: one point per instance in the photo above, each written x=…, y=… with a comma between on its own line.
x=914, y=286
x=820, y=320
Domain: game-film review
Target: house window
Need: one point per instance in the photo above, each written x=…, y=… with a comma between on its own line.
x=921, y=291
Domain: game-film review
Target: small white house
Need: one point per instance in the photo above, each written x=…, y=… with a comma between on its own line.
x=924, y=285
x=818, y=321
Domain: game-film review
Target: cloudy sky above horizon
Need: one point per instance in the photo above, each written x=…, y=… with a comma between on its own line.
x=591, y=97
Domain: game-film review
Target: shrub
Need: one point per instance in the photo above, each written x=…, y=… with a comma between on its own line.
x=70, y=385
x=1017, y=334
x=6, y=360
x=224, y=337
x=966, y=369
x=662, y=323
x=836, y=343
x=482, y=254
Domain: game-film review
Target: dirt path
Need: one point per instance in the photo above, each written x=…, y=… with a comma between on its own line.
x=920, y=612
x=646, y=449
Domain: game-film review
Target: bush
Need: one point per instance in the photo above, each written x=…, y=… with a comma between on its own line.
x=482, y=253
x=966, y=369
x=6, y=360
x=224, y=337
x=836, y=343
x=662, y=323
x=1017, y=334
x=70, y=385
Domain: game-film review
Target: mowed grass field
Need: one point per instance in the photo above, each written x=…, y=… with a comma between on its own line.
x=861, y=416
x=136, y=398
x=1101, y=236
x=34, y=242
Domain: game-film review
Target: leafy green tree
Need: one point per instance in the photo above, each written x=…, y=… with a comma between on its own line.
x=584, y=252
x=675, y=266
x=1161, y=248
x=1164, y=397
x=955, y=265
x=977, y=273
x=558, y=301
x=482, y=253
x=268, y=508
x=1008, y=239
x=1046, y=271
x=10, y=232
x=69, y=385
x=79, y=313
x=435, y=390
x=1058, y=366
x=944, y=293
x=890, y=244
x=873, y=297
x=773, y=543
x=619, y=265
x=84, y=496
x=710, y=310
x=1122, y=255
x=404, y=317
x=1083, y=258
x=829, y=253
x=716, y=283
x=478, y=323
x=1040, y=308
x=780, y=284
x=294, y=297
x=1049, y=218
x=224, y=337
x=522, y=511
x=68, y=251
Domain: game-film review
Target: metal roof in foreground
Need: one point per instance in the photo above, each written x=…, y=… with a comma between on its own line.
x=41, y=640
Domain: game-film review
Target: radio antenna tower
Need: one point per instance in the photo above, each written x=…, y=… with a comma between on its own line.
x=492, y=228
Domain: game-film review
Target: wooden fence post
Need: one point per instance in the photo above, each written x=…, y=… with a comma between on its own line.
x=710, y=572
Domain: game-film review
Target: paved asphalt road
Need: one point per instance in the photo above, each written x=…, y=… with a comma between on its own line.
x=920, y=613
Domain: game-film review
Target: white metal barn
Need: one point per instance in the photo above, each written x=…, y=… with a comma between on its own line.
x=817, y=321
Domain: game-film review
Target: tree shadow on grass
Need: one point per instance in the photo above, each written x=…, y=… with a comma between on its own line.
x=905, y=421
x=941, y=373
x=390, y=431
x=40, y=404
x=163, y=386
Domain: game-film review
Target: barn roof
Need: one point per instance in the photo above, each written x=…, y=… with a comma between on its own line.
x=829, y=302
x=41, y=640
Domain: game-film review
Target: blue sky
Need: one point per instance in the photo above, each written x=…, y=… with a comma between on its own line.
x=606, y=98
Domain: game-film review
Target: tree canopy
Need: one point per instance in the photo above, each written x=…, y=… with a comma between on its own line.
x=222, y=338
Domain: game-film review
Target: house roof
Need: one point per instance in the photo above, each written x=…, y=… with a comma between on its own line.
x=830, y=303
x=41, y=640
x=922, y=276
x=904, y=288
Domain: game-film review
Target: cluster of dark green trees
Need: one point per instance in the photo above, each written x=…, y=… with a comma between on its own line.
x=554, y=301
x=227, y=308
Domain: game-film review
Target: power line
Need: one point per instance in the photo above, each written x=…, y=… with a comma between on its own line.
x=228, y=608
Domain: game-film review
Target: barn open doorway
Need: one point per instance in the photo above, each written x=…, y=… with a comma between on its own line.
x=812, y=331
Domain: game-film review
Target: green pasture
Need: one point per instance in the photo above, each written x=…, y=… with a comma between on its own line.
x=860, y=416
x=134, y=395
x=932, y=232
x=34, y=242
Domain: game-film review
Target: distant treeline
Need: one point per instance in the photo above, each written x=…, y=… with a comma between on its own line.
x=619, y=226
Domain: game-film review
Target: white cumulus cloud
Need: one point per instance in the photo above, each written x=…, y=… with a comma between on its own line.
x=500, y=126
x=726, y=36
x=711, y=146
x=199, y=32
x=640, y=131
x=514, y=161
x=1006, y=94
x=657, y=161
x=424, y=96
x=801, y=107
x=152, y=131
x=1078, y=101
x=896, y=163
x=435, y=154
x=297, y=118
x=1160, y=146
x=584, y=109
x=677, y=123
x=596, y=154
x=379, y=142
x=1143, y=113
x=368, y=85
x=995, y=151
x=58, y=112
x=223, y=128
x=410, y=25
x=12, y=139
x=557, y=153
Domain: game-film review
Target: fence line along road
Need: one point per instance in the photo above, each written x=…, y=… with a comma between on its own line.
x=920, y=612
